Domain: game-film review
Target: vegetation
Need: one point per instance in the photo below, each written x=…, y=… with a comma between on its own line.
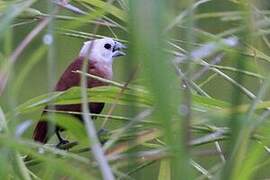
x=189, y=101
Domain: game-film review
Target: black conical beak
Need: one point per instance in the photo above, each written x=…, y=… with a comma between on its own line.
x=117, y=49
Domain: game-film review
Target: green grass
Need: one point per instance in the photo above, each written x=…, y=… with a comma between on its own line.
x=189, y=101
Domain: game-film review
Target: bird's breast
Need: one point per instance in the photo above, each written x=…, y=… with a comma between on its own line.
x=105, y=70
x=101, y=70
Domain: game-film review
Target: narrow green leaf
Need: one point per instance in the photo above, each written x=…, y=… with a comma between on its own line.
x=164, y=170
x=107, y=94
x=108, y=8
x=11, y=11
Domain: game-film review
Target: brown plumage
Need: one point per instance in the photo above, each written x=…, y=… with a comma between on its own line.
x=97, y=67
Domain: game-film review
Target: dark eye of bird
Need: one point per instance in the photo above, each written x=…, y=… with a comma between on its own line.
x=107, y=46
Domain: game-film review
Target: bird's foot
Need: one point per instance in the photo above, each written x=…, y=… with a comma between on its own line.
x=62, y=144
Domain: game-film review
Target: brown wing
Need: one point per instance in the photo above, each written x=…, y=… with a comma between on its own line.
x=70, y=79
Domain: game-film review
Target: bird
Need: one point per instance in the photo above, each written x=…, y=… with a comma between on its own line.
x=100, y=54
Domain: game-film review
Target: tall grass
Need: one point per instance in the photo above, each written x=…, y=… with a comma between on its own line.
x=189, y=101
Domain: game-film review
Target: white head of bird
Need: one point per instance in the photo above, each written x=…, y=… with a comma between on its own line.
x=102, y=50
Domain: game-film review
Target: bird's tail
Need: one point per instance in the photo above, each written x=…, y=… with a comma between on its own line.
x=41, y=132
x=40, y=135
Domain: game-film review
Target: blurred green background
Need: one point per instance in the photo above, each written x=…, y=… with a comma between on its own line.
x=196, y=24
